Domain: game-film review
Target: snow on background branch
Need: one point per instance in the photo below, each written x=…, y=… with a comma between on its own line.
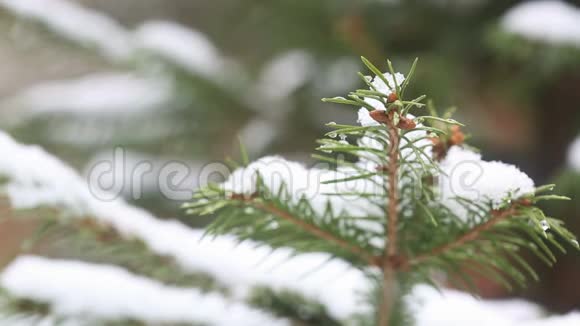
x=81, y=289
x=551, y=21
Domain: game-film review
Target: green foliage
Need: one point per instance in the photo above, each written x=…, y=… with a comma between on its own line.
x=14, y=306
x=568, y=184
x=4, y=180
x=536, y=60
x=275, y=219
x=291, y=305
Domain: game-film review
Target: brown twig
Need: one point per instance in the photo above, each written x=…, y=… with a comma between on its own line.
x=390, y=255
x=471, y=235
x=393, y=196
x=318, y=232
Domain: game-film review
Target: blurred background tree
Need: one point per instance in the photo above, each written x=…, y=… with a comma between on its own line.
x=182, y=79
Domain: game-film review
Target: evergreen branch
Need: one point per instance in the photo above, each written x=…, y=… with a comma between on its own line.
x=315, y=231
x=471, y=235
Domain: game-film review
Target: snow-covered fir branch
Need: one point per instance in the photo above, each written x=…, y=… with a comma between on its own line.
x=414, y=200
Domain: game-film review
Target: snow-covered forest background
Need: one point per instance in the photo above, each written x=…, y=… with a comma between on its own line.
x=104, y=102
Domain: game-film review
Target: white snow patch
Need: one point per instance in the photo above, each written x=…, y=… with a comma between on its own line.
x=454, y=308
x=284, y=74
x=37, y=178
x=466, y=175
x=574, y=154
x=337, y=76
x=365, y=119
x=109, y=292
x=77, y=24
x=102, y=94
x=184, y=46
x=551, y=21
x=302, y=182
x=257, y=134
